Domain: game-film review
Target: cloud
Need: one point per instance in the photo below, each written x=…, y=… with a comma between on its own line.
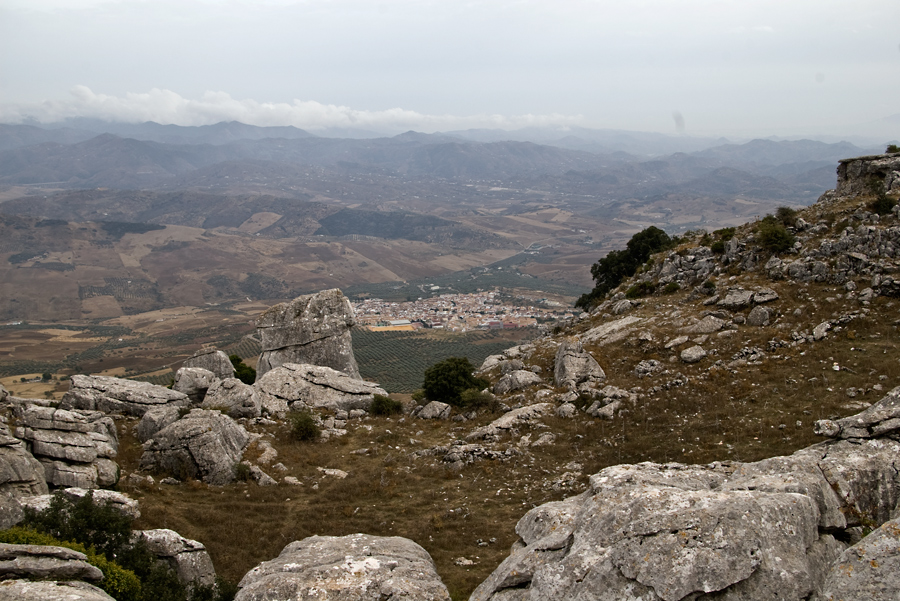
x=168, y=107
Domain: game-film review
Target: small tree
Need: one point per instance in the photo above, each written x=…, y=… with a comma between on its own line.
x=773, y=236
x=46, y=376
x=445, y=381
x=242, y=371
x=892, y=148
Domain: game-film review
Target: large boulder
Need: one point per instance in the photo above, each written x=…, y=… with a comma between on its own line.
x=115, y=395
x=188, y=558
x=45, y=563
x=294, y=386
x=574, y=367
x=358, y=567
x=20, y=473
x=203, y=445
x=194, y=382
x=510, y=421
x=763, y=530
x=76, y=448
x=69, y=590
x=868, y=570
x=212, y=360
x=516, y=380
x=234, y=398
x=312, y=329
x=155, y=420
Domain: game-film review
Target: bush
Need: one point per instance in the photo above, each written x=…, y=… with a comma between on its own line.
x=892, y=148
x=882, y=205
x=709, y=284
x=242, y=371
x=773, y=236
x=640, y=289
x=418, y=396
x=787, y=216
x=473, y=399
x=304, y=427
x=718, y=247
x=241, y=472
x=724, y=234
x=383, y=405
x=671, y=288
x=446, y=380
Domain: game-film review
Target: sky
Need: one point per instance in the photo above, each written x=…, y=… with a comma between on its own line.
x=685, y=67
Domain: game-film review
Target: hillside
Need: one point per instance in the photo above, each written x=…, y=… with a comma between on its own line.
x=718, y=350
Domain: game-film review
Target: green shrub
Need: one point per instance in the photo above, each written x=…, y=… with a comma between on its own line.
x=418, y=395
x=446, y=380
x=718, y=247
x=474, y=399
x=241, y=472
x=671, y=288
x=787, y=216
x=304, y=427
x=709, y=284
x=773, y=236
x=383, y=405
x=892, y=148
x=242, y=371
x=640, y=289
x=724, y=234
x=882, y=205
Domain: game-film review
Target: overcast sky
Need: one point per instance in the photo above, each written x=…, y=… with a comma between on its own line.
x=704, y=67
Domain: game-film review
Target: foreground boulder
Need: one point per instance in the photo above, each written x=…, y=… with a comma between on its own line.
x=76, y=448
x=20, y=473
x=45, y=563
x=357, y=567
x=313, y=329
x=188, y=558
x=771, y=529
x=869, y=569
x=204, y=445
x=212, y=360
x=117, y=500
x=73, y=590
x=115, y=395
x=295, y=386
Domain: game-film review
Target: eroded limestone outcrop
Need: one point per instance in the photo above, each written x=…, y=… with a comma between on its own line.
x=358, y=567
x=115, y=395
x=312, y=329
x=20, y=473
x=213, y=360
x=203, y=445
x=188, y=558
x=294, y=386
x=763, y=530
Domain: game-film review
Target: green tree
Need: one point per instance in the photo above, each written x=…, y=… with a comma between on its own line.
x=242, y=371
x=612, y=269
x=446, y=380
x=46, y=376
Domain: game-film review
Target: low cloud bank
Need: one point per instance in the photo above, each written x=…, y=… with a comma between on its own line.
x=168, y=107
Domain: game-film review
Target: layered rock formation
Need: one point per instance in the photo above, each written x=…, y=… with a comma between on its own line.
x=212, y=359
x=187, y=558
x=20, y=473
x=115, y=395
x=312, y=329
x=358, y=567
x=295, y=386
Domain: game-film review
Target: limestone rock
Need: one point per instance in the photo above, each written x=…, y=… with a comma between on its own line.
x=357, y=567
x=234, y=398
x=516, y=380
x=155, y=420
x=609, y=400
x=76, y=448
x=313, y=386
x=759, y=316
x=857, y=176
x=707, y=325
x=574, y=366
x=765, y=295
x=117, y=500
x=434, y=410
x=621, y=307
x=188, y=558
x=204, y=445
x=115, y=395
x=693, y=354
x=45, y=563
x=869, y=569
x=11, y=512
x=212, y=360
x=20, y=473
x=312, y=329
x=194, y=382
x=27, y=590
x=737, y=298
x=510, y=420
x=879, y=419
